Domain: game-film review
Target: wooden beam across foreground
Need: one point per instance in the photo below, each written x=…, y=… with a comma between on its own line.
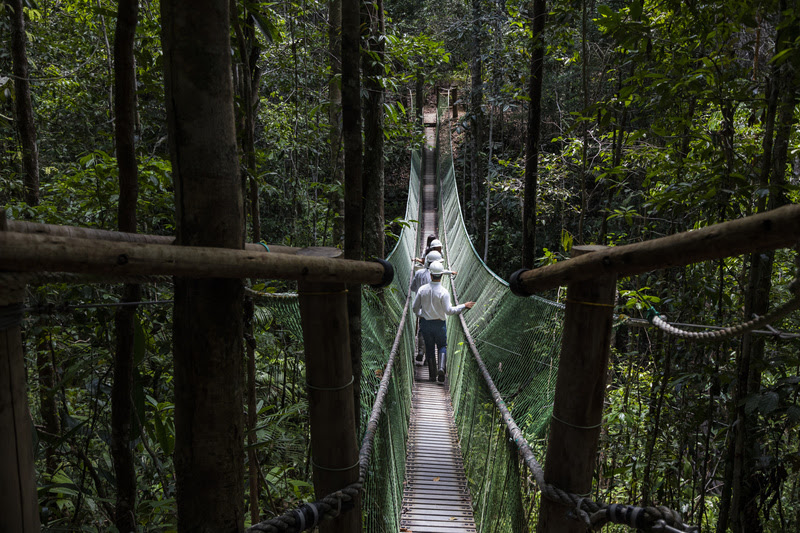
x=779, y=228
x=23, y=252
x=22, y=226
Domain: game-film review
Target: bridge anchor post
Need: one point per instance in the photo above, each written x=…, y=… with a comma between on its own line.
x=580, y=389
x=329, y=377
x=19, y=504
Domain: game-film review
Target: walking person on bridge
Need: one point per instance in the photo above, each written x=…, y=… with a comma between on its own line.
x=432, y=306
x=434, y=244
x=422, y=277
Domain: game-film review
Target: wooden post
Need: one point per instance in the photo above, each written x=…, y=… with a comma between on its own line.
x=19, y=506
x=329, y=376
x=454, y=97
x=580, y=388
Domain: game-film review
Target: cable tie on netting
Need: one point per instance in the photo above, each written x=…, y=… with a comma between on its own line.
x=11, y=315
x=554, y=417
x=595, y=304
x=310, y=386
x=345, y=469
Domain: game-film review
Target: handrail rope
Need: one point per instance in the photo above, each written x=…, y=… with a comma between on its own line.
x=659, y=320
x=271, y=295
x=655, y=519
x=771, y=331
x=294, y=521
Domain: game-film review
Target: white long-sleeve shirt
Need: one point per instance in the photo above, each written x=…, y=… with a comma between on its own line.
x=433, y=303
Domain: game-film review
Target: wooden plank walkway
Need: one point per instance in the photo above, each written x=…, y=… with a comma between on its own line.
x=436, y=496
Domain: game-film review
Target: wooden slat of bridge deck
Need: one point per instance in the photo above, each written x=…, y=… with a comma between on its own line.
x=436, y=496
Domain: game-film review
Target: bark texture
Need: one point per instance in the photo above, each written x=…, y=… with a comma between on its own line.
x=23, y=106
x=208, y=327
x=125, y=317
x=373, y=132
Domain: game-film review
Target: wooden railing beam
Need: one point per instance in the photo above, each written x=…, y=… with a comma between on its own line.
x=22, y=226
x=22, y=252
x=779, y=228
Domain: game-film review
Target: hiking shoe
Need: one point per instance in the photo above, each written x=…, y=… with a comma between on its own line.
x=420, y=357
x=440, y=376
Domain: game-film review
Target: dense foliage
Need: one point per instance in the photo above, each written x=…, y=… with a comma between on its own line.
x=658, y=116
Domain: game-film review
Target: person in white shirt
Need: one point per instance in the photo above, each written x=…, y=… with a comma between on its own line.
x=422, y=277
x=432, y=306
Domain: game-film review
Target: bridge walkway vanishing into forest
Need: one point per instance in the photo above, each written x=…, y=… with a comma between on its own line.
x=509, y=383
x=435, y=491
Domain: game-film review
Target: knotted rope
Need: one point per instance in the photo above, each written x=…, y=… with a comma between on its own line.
x=660, y=322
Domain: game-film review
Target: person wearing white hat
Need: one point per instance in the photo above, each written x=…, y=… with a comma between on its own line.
x=422, y=277
x=434, y=244
x=432, y=306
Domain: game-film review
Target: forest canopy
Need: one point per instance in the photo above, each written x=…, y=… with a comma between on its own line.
x=655, y=117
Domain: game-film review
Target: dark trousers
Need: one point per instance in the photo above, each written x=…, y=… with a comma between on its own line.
x=434, y=333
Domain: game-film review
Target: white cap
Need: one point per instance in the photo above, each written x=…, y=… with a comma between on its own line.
x=437, y=269
x=435, y=243
x=432, y=256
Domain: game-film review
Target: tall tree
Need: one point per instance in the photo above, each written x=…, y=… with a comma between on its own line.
x=781, y=98
x=207, y=331
x=335, y=198
x=247, y=90
x=353, y=185
x=534, y=134
x=476, y=111
x=122, y=388
x=373, y=61
x=23, y=107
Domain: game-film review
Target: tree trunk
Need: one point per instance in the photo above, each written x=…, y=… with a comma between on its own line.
x=476, y=112
x=23, y=105
x=125, y=317
x=335, y=198
x=207, y=331
x=488, y=186
x=248, y=94
x=353, y=185
x=782, y=96
x=373, y=132
x=534, y=133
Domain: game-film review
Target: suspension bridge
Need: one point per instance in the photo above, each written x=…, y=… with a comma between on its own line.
x=463, y=457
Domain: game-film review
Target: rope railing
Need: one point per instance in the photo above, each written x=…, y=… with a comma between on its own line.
x=661, y=323
x=309, y=515
x=593, y=514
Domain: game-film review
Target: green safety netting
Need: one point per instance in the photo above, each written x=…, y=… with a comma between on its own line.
x=518, y=340
x=381, y=313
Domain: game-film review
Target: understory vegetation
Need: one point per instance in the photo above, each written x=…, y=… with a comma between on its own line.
x=657, y=117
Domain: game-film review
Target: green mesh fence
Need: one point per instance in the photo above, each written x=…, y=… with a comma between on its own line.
x=518, y=340
x=381, y=314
